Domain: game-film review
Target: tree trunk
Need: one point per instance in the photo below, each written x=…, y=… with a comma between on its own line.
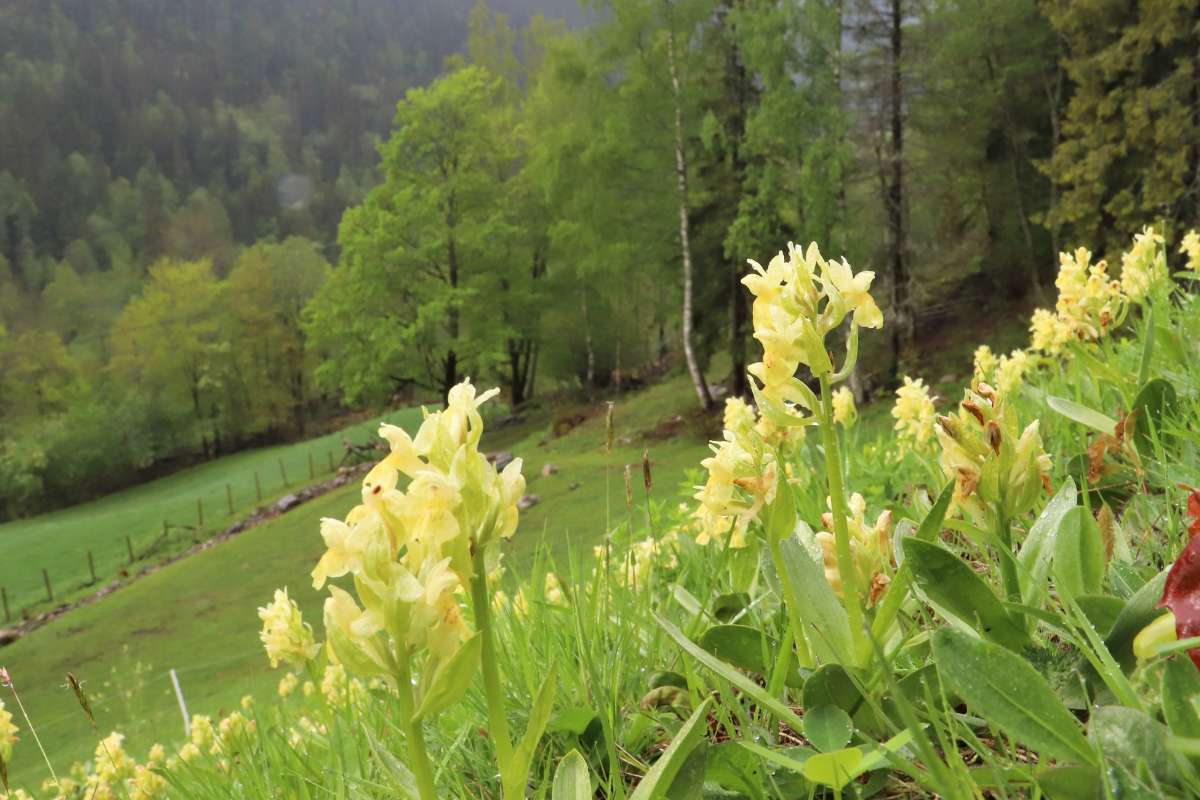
x=531, y=370
x=740, y=88
x=902, y=325
x=685, y=244
x=589, y=381
x=516, y=383
x=1015, y=156
x=1054, y=94
x=450, y=374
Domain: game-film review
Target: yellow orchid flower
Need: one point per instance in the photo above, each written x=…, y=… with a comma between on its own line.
x=285, y=635
x=855, y=292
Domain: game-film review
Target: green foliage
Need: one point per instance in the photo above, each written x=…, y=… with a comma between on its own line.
x=1128, y=151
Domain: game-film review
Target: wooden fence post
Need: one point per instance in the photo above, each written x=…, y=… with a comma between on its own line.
x=129, y=546
x=199, y=512
x=257, y=486
x=329, y=454
x=92, y=566
x=49, y=591
x=312, y=471
x=283, y=473
x=229, y=497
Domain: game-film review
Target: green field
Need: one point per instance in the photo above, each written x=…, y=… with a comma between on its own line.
x=59, y=542
x=198, y=615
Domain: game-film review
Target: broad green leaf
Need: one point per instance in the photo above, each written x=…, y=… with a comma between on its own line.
x=1139, y=612
x=826, y=626
x=451, y=679
x=656, y=782
x=1083, y=415
x=539, y=717
x=1101, y=610
x=1154, y=402
x=689, y=781
x=877, y=757
x=727, y=606
x=1078, y=553
x=781, y=514
x=740, y=645
x=956, y=590
x=1129, y=737
x=931, y=526
x=794, y=759
x=1038, y=547
x=830, y=685
x=1181, y=696
x=1001, y=687
x=1071, y=782
x=897, y=591
x=401, y=777
x=731, y=674
x=574, y=720
x=834, y=769
x=571, y=778
x=734, y=768
x=829, y=728
x=1147, y=349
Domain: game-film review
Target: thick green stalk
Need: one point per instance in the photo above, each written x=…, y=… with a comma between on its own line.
x=851, y=588
x=1008, y=568
x=414, y=735
x=489, y=662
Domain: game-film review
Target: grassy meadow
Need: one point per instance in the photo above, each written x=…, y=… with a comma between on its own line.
x=197, y=615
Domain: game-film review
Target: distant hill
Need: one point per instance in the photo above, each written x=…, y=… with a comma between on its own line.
x=114, y=113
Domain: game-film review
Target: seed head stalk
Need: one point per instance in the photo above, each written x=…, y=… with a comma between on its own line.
x=6, y=680
x=851, y=588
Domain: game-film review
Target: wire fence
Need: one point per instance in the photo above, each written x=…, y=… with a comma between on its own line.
x=69, y=555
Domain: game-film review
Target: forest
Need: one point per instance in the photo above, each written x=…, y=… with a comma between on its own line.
x=224, y=224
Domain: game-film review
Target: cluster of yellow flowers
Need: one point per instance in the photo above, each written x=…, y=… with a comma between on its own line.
x=644, y=557
x=112, y=774
x=1190, y=247
x=410, y=552
x=285, y=635
x=1145, y=265
x=798, y=300
x=1089, y=303
x=915, y=414
x=8, y=733
x=870, y=546
x=1005, y=372
x=994, y=464
x=845, y=413
x=742, y=478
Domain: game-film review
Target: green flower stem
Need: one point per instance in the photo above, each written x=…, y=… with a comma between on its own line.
x=1008, y=569
x=414, y=734
x=497, y=718
x=851, y=587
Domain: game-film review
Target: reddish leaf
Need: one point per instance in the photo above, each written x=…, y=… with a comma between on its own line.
x=1182, y=594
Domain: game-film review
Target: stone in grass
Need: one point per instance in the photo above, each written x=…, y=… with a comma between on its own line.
x=501, y=459
x=287, y=502
x=528, y=501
